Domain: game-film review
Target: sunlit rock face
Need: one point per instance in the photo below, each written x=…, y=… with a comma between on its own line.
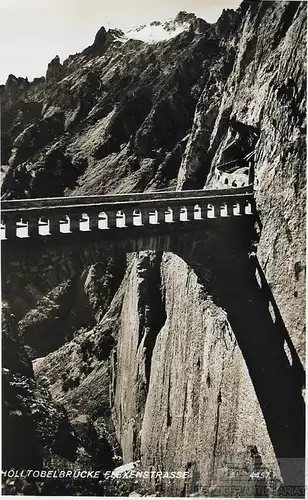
x=160, y=361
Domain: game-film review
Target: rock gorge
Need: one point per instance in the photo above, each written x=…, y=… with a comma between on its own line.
x=147, y=356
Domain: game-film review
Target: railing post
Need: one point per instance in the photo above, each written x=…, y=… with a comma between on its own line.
x=145, y=217
x=252, y=202
x=10, y=227
x=242, y=206
x=190, y=212
x=33, y=226
x=216, y=205
x=129, y=217
x=229, y=205
x=93, y=221
x=111, y=219
x=161, y=216
x=74, y=222
x=176, y=210
x=203, y=210
x=54, y=224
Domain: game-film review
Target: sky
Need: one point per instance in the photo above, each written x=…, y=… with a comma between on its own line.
x=34, y=31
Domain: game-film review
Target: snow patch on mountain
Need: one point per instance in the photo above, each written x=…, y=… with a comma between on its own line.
x=158, y=31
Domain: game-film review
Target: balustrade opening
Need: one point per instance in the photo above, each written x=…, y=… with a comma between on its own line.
x=198, y=212
x=137, y=218
x=44, y=226
x=120, y=219
x=169, y=215
x=236, y=209
x=183, y=214
x=153, y=216
x=224, y=210
x=248, y=208
x=3, y=231
x=102, y=220
x=22, y=229
x=65, y=225
x=210, y=211
x=84, y=222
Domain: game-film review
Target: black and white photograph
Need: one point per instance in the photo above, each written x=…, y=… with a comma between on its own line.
x=153, y=248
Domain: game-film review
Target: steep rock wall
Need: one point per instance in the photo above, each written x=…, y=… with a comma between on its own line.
x=201, y=403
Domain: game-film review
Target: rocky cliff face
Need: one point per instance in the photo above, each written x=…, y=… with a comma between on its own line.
x=160, y=360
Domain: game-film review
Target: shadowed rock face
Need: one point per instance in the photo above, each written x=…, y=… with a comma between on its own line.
x=190, y=361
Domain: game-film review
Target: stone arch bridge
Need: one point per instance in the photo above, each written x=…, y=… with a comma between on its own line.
x=213, y=231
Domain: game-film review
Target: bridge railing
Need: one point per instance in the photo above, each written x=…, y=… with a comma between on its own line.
x=35, y=218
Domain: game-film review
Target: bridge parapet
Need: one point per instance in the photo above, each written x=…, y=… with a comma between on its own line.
x=53, y=216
